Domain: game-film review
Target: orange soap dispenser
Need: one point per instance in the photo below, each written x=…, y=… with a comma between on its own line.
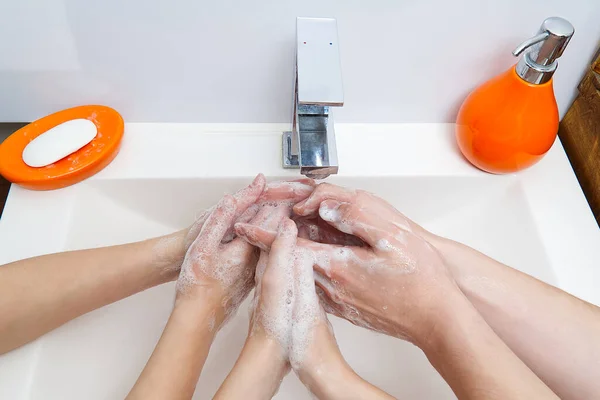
x=511, y=121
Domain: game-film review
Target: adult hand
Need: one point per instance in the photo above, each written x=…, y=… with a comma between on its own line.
x=400, y=286
x=396, y=285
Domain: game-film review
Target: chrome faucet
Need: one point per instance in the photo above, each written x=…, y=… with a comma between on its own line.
x=318, y=88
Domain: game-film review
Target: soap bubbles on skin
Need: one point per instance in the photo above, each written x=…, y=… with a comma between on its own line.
x=275, y=294
x=286, y=305
x=318, y=230
x=307, y=309
x=399, y=257
x=214, y=265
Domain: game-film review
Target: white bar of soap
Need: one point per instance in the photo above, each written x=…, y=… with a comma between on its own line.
x=58, y=142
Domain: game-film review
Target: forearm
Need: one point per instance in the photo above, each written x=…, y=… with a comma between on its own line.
x=345, y=385
x=257, y=373
x=474, y=361
x=554, y=333
x=329, y=377
x=42, y=293
x=173, y=370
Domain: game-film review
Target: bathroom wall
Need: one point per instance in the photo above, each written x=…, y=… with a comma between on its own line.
x=232, y=60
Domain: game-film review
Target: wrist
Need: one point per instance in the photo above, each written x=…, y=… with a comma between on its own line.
x=452, y=252
x=323, y=369
x=203, y=305
x=331, y=381
x=261, y=349
x=258, y=371
x=167, y=254
x=452, y=325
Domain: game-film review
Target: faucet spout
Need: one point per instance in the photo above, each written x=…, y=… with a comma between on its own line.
x=311, y=146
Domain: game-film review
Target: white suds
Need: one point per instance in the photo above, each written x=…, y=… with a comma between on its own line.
x=330, y=214
x=334, y=216
x=293, y=309
x=275, y=313
x=166, y=255
x=307, y=309
x=227, y=264
x=384, y=245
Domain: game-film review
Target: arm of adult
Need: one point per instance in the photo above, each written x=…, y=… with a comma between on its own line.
x=554, y=333
x=400, y=286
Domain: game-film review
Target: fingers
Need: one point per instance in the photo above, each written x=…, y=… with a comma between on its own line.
x=264, y=238
x=324, y=285
x=244, y=198
x=284, y=244
x=261, y=267
x=327, y=258
x=307, y=311
x=249, y=214
x=245, y=203
x=350, y=219
x=304, y=284
x=323, y=192
x=329, y=306
x=256, y=236
x=196, y=227
x=270, y=217
x=317, y=230
x=288, y=191
x=275, y=203
x=217, y=225
x=277, y=280
x=250, y=194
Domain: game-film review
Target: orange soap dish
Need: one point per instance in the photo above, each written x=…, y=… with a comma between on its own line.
x=75, y=167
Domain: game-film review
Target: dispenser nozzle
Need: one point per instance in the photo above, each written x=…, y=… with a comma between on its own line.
x=541, y=51
x=529, y=42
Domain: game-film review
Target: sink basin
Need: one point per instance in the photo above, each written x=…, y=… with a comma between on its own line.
x=100, y=355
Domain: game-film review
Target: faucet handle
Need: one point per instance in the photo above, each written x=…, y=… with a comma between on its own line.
x=318, y=67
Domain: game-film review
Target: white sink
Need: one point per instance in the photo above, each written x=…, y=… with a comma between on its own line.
x=536, y=221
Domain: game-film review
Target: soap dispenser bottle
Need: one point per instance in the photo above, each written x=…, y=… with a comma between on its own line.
x=511, y=121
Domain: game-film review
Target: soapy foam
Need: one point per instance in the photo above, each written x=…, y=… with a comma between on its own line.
x=295, y=311
x=290, y=312
x=227, y=265
x=334, y=215
x=384, y=245
x=197, y=226
x=275, y=315
x=393, y=250
x=394, y=258
x=307, y=311
x=166, y=255
x=330, y=214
